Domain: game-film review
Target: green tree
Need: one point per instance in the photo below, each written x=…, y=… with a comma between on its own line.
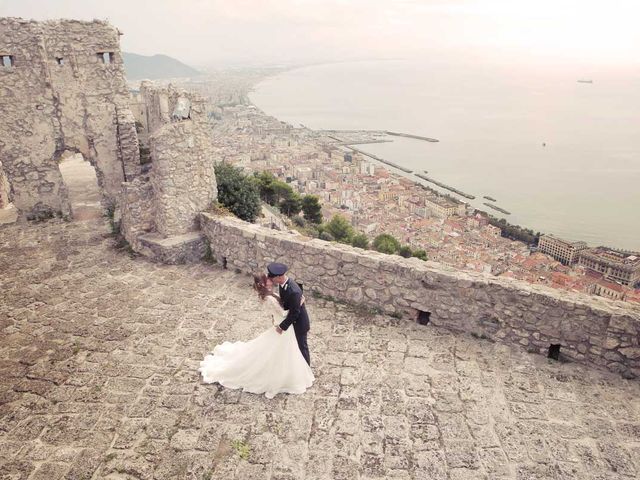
x=386, y=243
x=282, y=191
x=291, y=205
x=360, y=240
x=266, y=182
x=405, y=251
x=237, y=192
x=339, y=228
x=421, y=254
x=311, y=208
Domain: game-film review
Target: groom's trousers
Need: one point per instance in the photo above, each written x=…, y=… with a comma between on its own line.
x=301, y=337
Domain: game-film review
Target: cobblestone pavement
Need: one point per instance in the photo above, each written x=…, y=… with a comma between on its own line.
x=98, y=379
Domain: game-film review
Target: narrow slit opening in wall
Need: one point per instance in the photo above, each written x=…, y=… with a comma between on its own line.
x=423, y=317
x=224, y=262
x=104, y=57
x=111, y=57
x=8, y=61
x=60, y=60
x=554, y=351
x=79, y=176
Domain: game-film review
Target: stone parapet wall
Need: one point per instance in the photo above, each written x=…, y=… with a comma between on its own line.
x=64, y=90
x=589, y=330
x=183, y=176
x=135, y=211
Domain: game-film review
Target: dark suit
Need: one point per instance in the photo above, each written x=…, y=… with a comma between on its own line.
x=291, y=295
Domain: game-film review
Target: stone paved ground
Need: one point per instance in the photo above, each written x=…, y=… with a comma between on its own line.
x=98, y=359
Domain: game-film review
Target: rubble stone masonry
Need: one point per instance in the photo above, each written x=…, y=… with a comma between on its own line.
x=183, y=177
x=62, y=88
x=4, y=188
x=164, y=208
x=587, y=330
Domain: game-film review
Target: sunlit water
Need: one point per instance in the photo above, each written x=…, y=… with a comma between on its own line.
x=492, y=123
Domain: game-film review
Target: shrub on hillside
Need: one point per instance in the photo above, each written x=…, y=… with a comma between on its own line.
x=237, y=192
x=339, y=228
x=386, y=243
x=421, y=254
x=360, y=240
x=311, y=208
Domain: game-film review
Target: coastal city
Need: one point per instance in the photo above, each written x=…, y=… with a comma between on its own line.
x=379, y=197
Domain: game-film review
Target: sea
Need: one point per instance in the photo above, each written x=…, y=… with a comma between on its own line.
x=558, y=146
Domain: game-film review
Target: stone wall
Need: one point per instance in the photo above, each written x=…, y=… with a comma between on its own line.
x=135, y=211
x=4, y=188
x=183, y=178
x=588, y=330
x=162, y=105
x=181, y=181
x=64, y=90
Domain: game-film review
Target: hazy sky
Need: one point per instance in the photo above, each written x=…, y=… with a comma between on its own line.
x=210, y=32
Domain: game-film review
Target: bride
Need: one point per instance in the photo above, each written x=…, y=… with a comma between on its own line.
x=271, y=363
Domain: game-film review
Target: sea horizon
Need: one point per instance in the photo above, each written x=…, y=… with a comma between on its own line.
x=561, y=154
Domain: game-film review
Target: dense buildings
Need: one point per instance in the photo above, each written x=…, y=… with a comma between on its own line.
x=444, y=207
x=615, y=265
x=378, y=199
x=608, y=289
x=562, y=250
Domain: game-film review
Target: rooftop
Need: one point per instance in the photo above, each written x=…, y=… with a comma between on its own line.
x=98, y=379
x=619, y=256
x=572, y=243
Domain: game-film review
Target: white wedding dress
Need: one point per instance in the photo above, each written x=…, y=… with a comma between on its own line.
x=271, y=363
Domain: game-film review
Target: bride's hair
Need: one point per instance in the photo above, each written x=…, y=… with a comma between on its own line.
x=260, y=285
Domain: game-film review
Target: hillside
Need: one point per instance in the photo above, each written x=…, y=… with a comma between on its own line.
x=155, y=67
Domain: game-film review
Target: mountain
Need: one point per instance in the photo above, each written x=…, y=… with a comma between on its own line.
x=139, y=67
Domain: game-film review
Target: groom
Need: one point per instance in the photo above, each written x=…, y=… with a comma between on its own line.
x=291, y=296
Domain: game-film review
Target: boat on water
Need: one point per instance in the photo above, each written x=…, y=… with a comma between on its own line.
x=585, y=81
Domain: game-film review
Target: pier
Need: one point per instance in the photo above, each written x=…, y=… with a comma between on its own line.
x=376, y=132
x=381, y=160
x=495, y=207
x=346, y=143
x=445, y=186
x=408, y=135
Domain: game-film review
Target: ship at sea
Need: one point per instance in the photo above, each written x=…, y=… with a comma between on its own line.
x=585, y=81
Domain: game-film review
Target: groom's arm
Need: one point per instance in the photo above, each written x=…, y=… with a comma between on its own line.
x=294, y=310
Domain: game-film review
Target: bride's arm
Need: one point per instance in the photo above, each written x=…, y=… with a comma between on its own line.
x=275, y=309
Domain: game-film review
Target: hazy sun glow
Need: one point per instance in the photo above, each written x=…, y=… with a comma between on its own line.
x=600, y=31
x=587, y=29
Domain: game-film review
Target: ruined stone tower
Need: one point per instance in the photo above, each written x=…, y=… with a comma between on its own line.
x=62, y=88
x=159, y=211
